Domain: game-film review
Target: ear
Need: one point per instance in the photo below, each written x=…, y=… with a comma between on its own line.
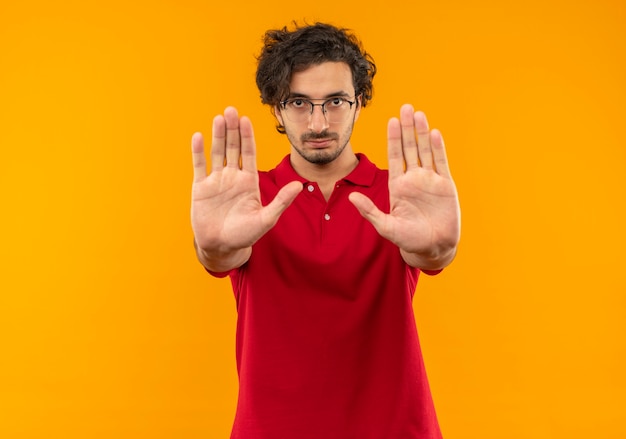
x=358, y=108
x=278, y=115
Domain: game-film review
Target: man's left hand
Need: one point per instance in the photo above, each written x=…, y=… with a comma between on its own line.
x=424, y=217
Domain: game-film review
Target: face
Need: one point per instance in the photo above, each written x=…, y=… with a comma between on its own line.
x=316, y=140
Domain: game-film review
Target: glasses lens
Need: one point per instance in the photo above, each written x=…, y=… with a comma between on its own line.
x=298, y=110
x=336, y=109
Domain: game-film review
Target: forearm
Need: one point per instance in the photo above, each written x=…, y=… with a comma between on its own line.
x=435, y=259
x=220, y=261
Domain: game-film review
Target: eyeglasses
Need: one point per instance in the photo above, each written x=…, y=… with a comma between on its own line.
x=335, y=109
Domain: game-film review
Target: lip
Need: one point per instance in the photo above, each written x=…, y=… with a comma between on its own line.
x=319, y=143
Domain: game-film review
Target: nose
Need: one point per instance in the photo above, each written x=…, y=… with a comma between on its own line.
x=317, y=121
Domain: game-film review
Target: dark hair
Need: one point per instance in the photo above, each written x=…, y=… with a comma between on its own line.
x=288, y=51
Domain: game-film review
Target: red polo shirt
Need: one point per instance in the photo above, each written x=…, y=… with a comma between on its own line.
x=327, y=345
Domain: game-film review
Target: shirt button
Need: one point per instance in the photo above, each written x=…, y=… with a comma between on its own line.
x=326, y=216
x=310, y=188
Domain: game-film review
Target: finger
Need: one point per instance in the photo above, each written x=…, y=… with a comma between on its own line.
x=394, y=148
x=281, y=201
x=369, y=211
x=197, y=154
x=423, y=140
x=439, y=153
x=218, y=145
x=248, y=146
x=409, y=145
x=233, y=139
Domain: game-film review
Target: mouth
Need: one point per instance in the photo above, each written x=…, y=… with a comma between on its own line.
x=319, y=143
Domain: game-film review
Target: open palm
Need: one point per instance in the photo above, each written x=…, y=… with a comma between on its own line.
x=424, y=216
x=227, y=216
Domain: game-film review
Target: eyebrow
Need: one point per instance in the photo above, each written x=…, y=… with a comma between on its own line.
x=329, y=95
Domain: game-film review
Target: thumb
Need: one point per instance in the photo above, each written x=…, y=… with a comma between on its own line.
x=281, y=201
x=368, y=210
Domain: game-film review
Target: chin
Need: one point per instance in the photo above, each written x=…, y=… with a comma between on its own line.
x=320, y=157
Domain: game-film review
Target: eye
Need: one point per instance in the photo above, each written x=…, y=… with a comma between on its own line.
x=335, y=102
x=297, y=103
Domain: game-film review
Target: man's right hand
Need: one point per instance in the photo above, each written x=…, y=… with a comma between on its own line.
x=227, y=216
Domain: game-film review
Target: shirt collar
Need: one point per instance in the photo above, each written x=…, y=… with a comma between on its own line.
x=363, y=175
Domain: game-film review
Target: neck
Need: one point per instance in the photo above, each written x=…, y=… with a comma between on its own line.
x=328, y=174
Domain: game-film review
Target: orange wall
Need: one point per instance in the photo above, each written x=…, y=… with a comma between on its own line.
x=109, y=328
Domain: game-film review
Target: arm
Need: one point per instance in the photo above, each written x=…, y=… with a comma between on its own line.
x=424, y=218
x=226, y=212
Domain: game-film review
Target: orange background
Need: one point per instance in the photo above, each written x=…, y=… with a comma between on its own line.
x=109, y=328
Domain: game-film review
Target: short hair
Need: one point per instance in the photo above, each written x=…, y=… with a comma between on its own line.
x=286, y=52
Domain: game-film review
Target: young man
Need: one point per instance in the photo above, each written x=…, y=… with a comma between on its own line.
x=324, y=251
